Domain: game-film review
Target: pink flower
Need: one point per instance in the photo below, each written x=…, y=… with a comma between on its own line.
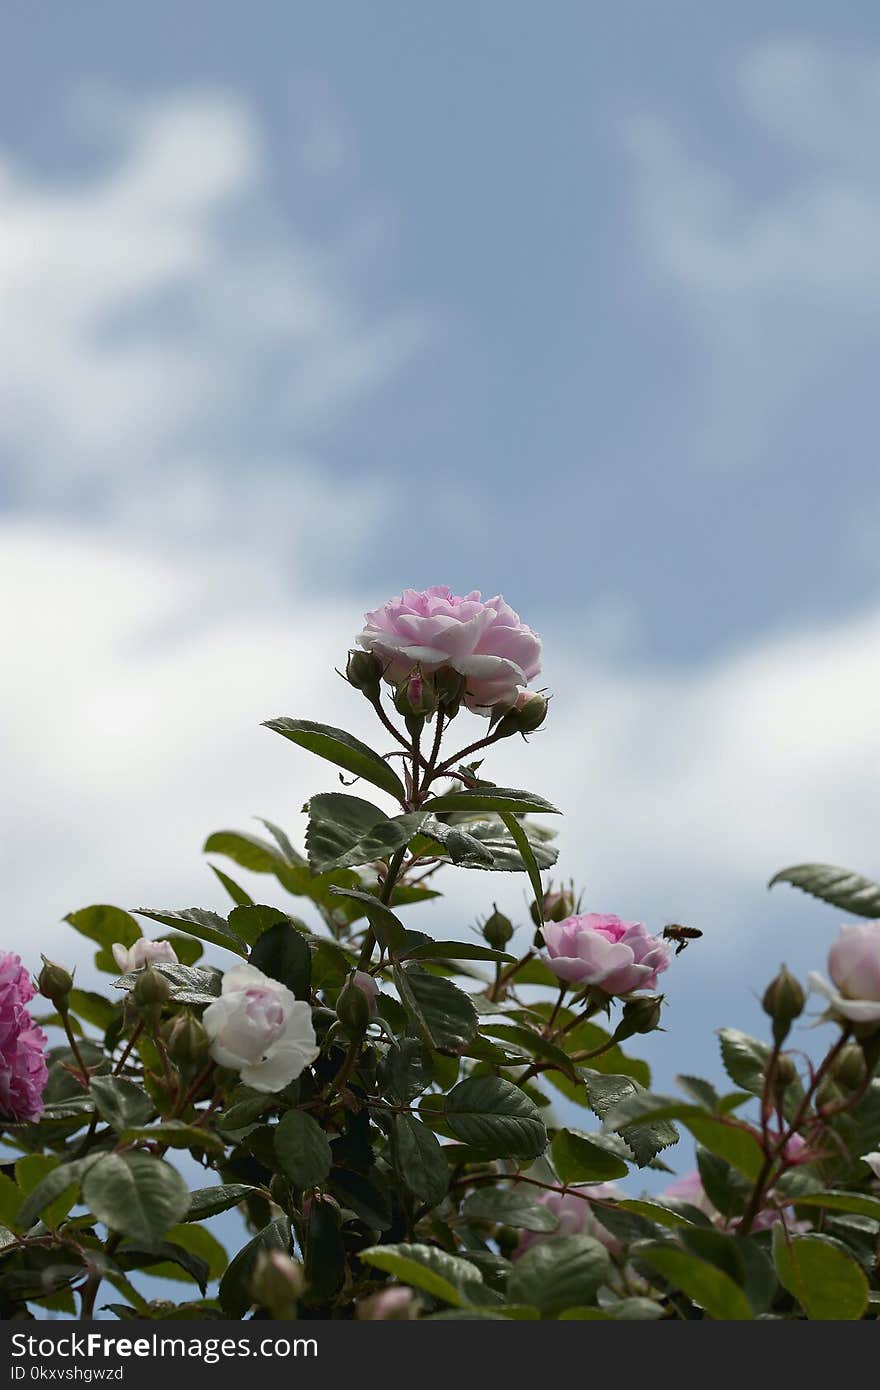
x=395, y=1303
x=576, y=1217
x=483, y=640
x=259, y=1029
x=593, y=949
x=854, y=967
x=23, y=1070
x=143, y=952
x=689, y=1188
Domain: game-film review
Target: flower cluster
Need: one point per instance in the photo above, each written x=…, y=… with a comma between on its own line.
x=23, y=1071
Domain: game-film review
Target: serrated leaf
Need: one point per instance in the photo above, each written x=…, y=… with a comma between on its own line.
x=346, y=831
x=198, y=921
x=496, y=1118
x=729, y=1139
x=527, y=854
x=302, y=1149
x=447, y=1277
x=177, y=1135
x=498, y=799
x=210, y=1201
x=453, y=950
x=390, y=931
x=577, y=1159
x=509, y=1206
x=440, y=1012
x=61, y=1182
x=235, y=1294
x=136, y=1194
x=190, y=984
x=121, y=1103
x=745, y=1059
x=826, y=1281
x=343, y=749
x=841, y=888
x=282, y=953
x=420, y=1160
x=560, y=1273
x=645, y=1140
x=706, y=1285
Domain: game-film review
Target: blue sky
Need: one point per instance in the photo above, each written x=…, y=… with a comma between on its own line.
x=303, y=305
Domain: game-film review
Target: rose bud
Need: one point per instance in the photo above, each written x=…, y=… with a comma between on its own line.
x=557, y=906
x=55, y=983
x=187, y=1040
x=639, y=1016
x=356, y=1004
x=395, y=1303
x=497, y=930
x=416, y=697
x=525, y=716
x=850, y=1069
x=364, y=672
x=450, y=686
x=278, y=1283
x=150, y=991
x=784, y=1001
x=785, y=1073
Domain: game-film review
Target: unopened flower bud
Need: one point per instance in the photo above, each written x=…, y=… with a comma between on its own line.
x=828, y=1093
x=364, y=671
x=396, y=1302
x=150, y=990
x=639, y=1016
x=278, y=1283
x=784, y=1001
x=850, y=1069
x=497, y=930
x=450, y=686
x=785, y=1074
x=416, y=696
x=356, y=1004
x=558, y=904
x=525, y=716
x=55, y=983
x=187, y=1040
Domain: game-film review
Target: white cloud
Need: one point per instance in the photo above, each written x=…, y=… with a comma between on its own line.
x=154, y=307
x=776, y=257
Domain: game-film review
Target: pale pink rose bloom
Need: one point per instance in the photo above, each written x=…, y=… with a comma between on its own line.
x=483, y=639
x=143, y=952
x=367, y=985
x=854, y=967
x=23, y=1070
x=259, y=1029
x=598, y=949
x=576, y=1217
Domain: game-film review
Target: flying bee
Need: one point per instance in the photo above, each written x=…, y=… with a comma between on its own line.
x=682, y=936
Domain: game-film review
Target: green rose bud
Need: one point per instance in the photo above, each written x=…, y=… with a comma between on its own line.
x=416, y=697
x=497, y=930
x=187, y=1041
x=557, y=906
x=150, y=991
x=640, y=1016
x=278, y=1283
x=785, y=1073
x=450, y=686
x=364, y=671
x=784, y=1001
x=850, y=1069
x=55, y=983
x=523, y=717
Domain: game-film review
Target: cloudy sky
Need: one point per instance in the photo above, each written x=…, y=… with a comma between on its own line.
x=305, y=304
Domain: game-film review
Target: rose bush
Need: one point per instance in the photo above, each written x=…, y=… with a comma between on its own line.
x=410, y=1127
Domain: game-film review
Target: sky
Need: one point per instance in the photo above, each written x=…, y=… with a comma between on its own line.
x=302, y=305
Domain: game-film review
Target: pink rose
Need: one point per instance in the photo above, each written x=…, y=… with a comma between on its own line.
x=593, y=949
x=23, y=1070
x=576, y=1217
x=143, y=952
x=854, y=967
x=259, y=1029
x=483, y=640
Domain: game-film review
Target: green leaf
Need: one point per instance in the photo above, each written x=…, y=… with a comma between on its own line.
x=345, y=831
x=447, y=1277
x=198, y=921
x=523, y=844
x=654, y=1211
x=534, y=1045
x=745, y=1059
x=839, y=887
x=199, y=1242
x=235, y=1287
x=390, y=931
x=120, y=1103
x=210, y=1201
x=92, y=1008
x=577, y=1159
x=410, y=1069
x=560, y=1273
x=302, y=1149
x=496, y=1118
x=482, y=845
x=238, y=894
x=827, y=1283
x=343, y=749
x=703, y=1092
x=177, y=1135
x=862, y=1203
x=509, y=1206
x=190, y=984
x=250, y=921
x=420, y=1160
x=248, y=851
x=105, y=925
x=453, y=950
x=645, y=1139
x=729, y=1139
x=136, y=1194
x=165, y=1260
x=499, y=799
x=625, y=1310
x=441, y=1013
x=706, y=1285
x=283, y=953
x=59, y=1185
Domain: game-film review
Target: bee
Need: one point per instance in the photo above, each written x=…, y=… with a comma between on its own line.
x=682, y=936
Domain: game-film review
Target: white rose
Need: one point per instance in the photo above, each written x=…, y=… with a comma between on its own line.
x=259, y=1029
x=142, y=953
x=873, y=1162
x=854, y=967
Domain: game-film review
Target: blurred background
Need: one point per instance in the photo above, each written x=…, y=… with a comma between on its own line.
x=302, y=305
